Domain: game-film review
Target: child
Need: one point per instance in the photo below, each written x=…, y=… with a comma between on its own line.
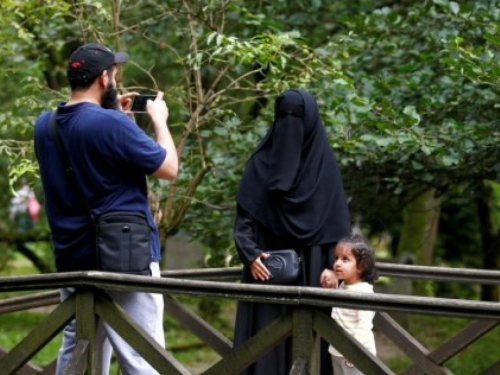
x=353, y=270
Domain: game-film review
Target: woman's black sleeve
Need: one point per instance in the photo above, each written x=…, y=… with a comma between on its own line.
x=244, y=236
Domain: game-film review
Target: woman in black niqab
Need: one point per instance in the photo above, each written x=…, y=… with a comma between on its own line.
x=291, y=196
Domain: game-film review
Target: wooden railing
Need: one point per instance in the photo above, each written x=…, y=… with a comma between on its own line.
x=304, y=319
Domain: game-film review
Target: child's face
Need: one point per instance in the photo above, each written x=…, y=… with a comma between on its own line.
x=345, y=266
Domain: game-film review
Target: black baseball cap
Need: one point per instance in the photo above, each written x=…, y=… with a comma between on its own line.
x=90, y=60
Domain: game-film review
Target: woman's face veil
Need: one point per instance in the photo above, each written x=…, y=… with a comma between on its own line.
x=292, y=184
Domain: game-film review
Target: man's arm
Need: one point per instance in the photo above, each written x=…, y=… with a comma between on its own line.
x=158, y=111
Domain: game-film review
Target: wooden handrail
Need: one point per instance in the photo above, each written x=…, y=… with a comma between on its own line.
x=200, y=283
x=29, y=302
x=445, y=274
x=461, y=275
x=260, y=293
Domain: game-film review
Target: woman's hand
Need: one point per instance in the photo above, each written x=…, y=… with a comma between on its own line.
x=329, y=279
x=258, y=270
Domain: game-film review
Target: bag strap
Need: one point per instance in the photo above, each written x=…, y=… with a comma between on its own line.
x=68, y=169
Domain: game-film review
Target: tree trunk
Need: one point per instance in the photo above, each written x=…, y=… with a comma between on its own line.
x=418, y=234
x=420, y=225
x=490, y=238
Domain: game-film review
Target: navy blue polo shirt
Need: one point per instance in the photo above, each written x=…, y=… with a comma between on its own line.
x=111, y=157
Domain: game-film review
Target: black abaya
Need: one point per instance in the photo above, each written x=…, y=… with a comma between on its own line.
x=291, y=196
x=292, y=183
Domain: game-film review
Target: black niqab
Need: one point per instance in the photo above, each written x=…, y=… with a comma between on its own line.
x=292, y=183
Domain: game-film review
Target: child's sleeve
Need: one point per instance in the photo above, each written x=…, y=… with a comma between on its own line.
x=363, y=329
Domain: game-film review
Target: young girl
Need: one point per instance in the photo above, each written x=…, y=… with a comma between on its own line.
x=353, y=270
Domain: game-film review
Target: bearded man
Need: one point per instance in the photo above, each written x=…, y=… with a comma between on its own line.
x=110, y=157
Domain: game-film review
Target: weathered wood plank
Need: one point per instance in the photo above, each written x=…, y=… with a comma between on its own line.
x=29, y=302
x=409, y=345
x=79, y=360
x=198, y=326
x=261, y=293
x=137, y=338
x=302, y=336
x=446, y=274
x=285, y=295
x=27, y=369
x=254, y=348
x=296, y=295
x=299, y=367
x=333, y=333
x=493, y=370
x=455, y=344
x=218, y=274
x=86, y=324
x=39, y=337
x=50, y=369
x=43, y=281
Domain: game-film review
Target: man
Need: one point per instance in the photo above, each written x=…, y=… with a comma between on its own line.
x=110, y=156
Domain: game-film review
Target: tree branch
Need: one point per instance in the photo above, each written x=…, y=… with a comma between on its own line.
x=37, y=261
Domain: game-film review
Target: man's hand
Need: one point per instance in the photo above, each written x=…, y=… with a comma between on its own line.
x=157, y=109
x=125, y=101
x=258, y=270
x=329, y=279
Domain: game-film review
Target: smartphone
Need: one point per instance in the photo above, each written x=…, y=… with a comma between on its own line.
x=139, y=103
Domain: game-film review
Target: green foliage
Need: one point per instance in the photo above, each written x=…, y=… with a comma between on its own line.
x=16, y=326
x=407, y=92
x=432, y=331
x=186, y=347
x=417, y=122
x=423, y=116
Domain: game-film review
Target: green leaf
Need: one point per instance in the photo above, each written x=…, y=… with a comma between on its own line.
x=211, y=37
x=383, y=142
x=417, y=165
x=455, y=8
x=220, y=131
x=449, y=160
x=219, y=39
x=412, y=112
x=440, y=2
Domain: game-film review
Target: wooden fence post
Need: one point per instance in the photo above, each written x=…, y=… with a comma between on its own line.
x=302, y=340
x=84, y=355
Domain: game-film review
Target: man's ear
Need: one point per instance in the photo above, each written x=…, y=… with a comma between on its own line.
x=103, y=79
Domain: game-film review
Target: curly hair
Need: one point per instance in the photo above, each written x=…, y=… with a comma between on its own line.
x=364, y=254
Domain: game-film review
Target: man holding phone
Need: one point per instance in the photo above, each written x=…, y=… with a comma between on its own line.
x=110, y=157
x=140, y=102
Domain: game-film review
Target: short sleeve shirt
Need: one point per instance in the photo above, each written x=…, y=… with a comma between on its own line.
x=111, y=157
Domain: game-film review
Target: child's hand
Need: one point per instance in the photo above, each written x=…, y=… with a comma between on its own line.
x=258, y=270
x=328, y=279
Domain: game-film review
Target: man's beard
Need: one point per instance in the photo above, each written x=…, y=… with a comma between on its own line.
x=109, y=98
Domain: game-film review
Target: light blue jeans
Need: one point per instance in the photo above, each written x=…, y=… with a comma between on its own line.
x=146, y=309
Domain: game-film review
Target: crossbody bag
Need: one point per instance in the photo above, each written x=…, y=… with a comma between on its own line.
x=123, y=238
x=283, y=266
